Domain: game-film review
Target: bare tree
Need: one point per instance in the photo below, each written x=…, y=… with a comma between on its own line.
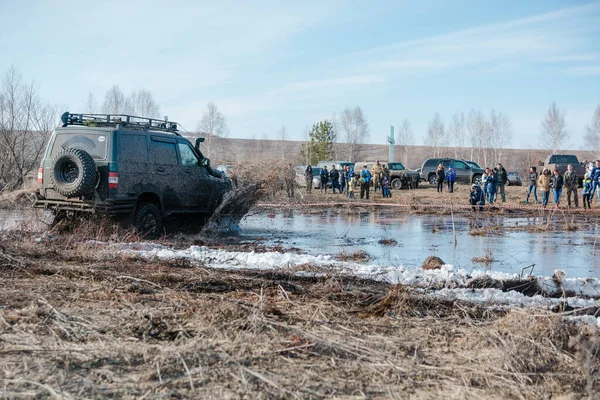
x=592, y=135
x=282, y=133
x=553, y=133
x=142, y=103
x=478, y=129
x=436, y=134
x=91, y=105
x=355, y=131
x=114, y=101
x=405, y=138
x=457, y=133
x=500, y=134
x=25, y=124
x=213, y=126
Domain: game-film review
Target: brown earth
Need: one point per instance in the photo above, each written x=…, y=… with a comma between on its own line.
x=79, y=321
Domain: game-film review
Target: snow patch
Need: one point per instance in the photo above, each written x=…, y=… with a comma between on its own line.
x=447, y=282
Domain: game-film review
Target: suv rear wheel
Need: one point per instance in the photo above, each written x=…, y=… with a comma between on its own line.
x=148, y=221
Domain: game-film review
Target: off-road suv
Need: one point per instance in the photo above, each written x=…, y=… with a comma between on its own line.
x=465, y=172
x=134, y=167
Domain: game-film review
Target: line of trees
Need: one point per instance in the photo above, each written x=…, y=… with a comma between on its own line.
x=25, y=123
x=138, y=102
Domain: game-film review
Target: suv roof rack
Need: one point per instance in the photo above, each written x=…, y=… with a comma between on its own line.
x=129, y=121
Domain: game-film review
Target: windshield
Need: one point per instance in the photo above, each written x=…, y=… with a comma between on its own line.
x=395, y=166
x=474, y=164
x=94, y=144
x=563, y=159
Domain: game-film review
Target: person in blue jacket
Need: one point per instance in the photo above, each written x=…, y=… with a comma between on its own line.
x=476, y=197
x=365, y=182
x=489, y=182
x=450, y=178
x=595, y=178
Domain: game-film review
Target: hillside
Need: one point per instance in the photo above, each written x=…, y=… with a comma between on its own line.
x=235, y=150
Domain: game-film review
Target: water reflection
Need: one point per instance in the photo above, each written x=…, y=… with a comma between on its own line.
x=333, y=232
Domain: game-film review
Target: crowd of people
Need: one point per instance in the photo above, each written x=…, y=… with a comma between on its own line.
x=347, y=179
x=548, y=182
x=491, y=188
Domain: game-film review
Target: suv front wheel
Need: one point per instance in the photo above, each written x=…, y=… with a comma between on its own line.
x=397, y=184
x=148, y=221
x=432, y=179
x=477, y=179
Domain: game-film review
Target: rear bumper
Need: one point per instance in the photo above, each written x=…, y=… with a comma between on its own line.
x=104, y=208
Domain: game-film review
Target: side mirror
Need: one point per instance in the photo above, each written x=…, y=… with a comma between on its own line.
x=205, y=162
x=540, y=163
x=198, y=142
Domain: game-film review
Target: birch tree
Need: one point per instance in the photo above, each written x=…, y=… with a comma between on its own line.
x=213, y=126
x=355, y=131
x=405, y=138
x=436, y=134
x=114, y=101
x=478, y=130
x=91, y=105
x=457, y=133
x=500, y=134
x=592, y=135
x=142, y=103
x=553, y=129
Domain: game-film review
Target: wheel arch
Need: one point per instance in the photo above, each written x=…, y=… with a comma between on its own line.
x=150, y=197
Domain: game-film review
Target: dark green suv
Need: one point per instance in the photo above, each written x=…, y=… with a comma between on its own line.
x=465, y=172
x=130, y=166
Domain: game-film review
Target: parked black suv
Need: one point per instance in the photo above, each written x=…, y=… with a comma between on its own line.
x=465, y=173
x=130, y=166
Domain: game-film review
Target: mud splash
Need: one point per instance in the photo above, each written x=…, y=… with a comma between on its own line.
x=234, y=206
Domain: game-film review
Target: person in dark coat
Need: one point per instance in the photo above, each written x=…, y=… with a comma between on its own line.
x=557, y=182
x=440, y=174
x=308, y=176
x=334, y=174
x=501, y=179
x=587, y=190
x=476, y=197
x=324, y=174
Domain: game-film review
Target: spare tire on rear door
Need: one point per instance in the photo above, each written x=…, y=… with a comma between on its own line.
x=74, y=172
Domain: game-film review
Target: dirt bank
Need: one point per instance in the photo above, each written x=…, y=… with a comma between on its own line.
x=80, y=322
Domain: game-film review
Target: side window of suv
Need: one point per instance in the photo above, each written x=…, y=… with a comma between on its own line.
x=188, y=158
x=164, y=153
x=459, y=165
x=132, y=149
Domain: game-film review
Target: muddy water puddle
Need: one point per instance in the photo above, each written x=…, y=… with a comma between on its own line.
x=508, y=241
x=575, y=252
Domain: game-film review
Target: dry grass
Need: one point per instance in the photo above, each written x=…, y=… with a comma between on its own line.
x=486, y=259
x=80, y=322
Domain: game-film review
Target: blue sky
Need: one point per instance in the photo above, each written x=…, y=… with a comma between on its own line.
x=272, y=63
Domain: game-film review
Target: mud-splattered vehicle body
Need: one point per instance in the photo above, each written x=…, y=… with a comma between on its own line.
x=130, y=166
